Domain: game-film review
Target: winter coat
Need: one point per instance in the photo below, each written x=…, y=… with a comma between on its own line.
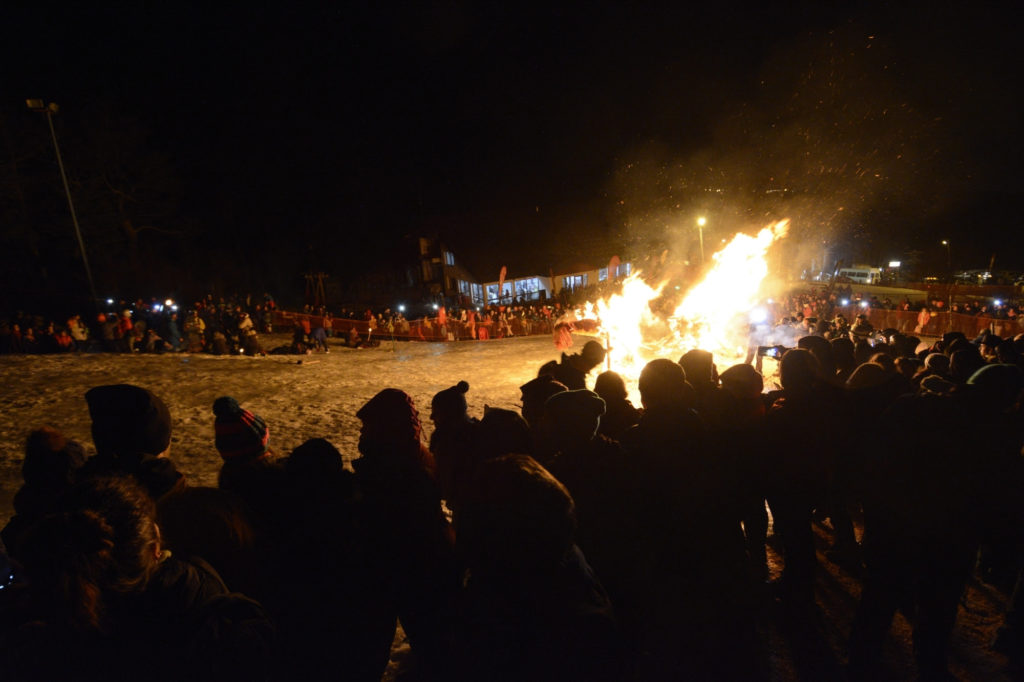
x=692, y=547
x=157, y=475
x=544, y=627
x=619, y=416
x=185, y=624
x=569, y=373
x=409, y=550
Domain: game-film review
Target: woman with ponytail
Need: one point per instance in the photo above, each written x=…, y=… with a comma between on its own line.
x=108, y=601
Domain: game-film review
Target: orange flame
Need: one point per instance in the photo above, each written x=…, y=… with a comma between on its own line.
x=713, y=315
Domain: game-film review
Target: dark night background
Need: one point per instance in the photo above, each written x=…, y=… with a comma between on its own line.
x=235, y=149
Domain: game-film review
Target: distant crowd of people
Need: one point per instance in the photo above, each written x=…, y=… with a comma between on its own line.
x=216, y=326
x=446, y=322
x=815, y=302
x=579, y=538
x=233, y=325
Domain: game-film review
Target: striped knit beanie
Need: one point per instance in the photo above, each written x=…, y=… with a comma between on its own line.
x=240, y=434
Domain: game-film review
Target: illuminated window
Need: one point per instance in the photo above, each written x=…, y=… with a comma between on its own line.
x=449, y=258
x=573, y=282
x=492, y=293
x=602, y=274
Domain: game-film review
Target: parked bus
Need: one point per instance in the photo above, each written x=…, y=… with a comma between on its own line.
x=860, y=274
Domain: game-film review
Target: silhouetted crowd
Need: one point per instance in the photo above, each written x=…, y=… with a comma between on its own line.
x=815, y=302
x=582, y=538
x=217, y=326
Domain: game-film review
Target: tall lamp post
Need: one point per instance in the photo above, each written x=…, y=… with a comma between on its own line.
x=701, y=222
x=950, y=284
x=51, y=109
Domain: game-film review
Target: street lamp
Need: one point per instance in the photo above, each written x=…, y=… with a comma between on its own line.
x=701, y=222
x=950, y=285
x=51, y=109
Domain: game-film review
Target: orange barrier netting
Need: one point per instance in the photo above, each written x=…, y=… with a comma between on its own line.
x=422, y=329
x=925, y=323
x=909, y=322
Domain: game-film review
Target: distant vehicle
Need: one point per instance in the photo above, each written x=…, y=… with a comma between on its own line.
x=983, y=277
x=860, y=275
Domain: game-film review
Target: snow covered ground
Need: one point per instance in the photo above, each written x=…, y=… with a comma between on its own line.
x=300, y=397
x=318, y=395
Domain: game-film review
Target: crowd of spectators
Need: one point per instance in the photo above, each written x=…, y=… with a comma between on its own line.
x=218, y=326
x=441, y=322
x=817, y=302
x=581, y=538
x=233, y=325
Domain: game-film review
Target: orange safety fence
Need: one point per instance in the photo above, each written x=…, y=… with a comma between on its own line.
x=931, y=323
x=420, y=329
x=909, y=322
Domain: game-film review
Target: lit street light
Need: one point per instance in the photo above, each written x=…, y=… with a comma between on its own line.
x=951, y=280
x=51, y=109
x=701, y=222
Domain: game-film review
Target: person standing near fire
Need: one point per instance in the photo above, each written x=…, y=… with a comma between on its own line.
x=573, y=369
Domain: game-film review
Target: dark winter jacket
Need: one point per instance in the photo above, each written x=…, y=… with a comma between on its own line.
x=545, y=627
x=184, y=625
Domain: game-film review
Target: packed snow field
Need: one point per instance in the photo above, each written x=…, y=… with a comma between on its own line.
x=303, y=397
x=300, y=397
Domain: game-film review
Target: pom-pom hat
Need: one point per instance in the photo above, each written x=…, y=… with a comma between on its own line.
x=452, y=400
x=240, y=434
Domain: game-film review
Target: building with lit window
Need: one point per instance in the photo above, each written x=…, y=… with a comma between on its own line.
x=443, y=276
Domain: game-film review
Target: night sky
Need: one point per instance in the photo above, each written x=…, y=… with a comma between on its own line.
x=262, y=143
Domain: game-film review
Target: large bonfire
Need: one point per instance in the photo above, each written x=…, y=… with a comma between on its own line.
x=713, y=315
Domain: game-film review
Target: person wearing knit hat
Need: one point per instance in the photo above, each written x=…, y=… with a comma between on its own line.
x=997, y=386
x=867, y=375
x=570, y=422
x=620, y=414
x=572, y=370
x=535, y=393
x=663, y=383
x=575, y=412
x=128, y=420
x=502, y=432
x=389, y=418
x=409, y=543
x=51, y=467
x=963, y=363
x=956, y=344
x=937, y=363
x=452, y=441
x=131, y=428
x=743, y=380
x=51, y=460
x=240, y=434
x=250, y=469
x=450, y=403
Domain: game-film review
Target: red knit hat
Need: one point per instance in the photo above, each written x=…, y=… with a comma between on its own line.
x=240, y=434
x=395, y=410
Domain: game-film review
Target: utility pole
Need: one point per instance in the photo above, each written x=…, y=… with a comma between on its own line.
x=51, y=109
